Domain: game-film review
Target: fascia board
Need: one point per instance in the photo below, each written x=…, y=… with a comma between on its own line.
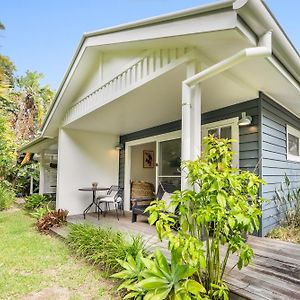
x=215, y=21
x=206, y=8
x=227, y=19
x=259, y=18
x=34, y=142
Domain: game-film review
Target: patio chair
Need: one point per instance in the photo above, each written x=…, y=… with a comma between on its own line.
x=139, y=205
x=114, y=196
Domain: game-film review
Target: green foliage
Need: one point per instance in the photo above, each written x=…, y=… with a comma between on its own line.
x=7, y=196
x=7, y=146
x=35, y=201
x=34, y=100
x=23, y=104
x=154, y=278
x=20, y=176
x=41, y=211
x=222, y=204
x=103, y=247
x=287, y=202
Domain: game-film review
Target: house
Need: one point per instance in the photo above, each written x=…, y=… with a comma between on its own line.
x=156, y=86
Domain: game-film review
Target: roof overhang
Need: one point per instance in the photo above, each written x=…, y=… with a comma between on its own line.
x=40, y=144
x=251, y=17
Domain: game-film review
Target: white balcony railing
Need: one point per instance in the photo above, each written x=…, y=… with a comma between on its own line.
x=151, y=65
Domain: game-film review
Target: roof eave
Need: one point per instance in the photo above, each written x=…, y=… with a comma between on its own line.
x=243, y=7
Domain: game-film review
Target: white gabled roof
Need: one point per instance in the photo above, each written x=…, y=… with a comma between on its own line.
x=253, y=13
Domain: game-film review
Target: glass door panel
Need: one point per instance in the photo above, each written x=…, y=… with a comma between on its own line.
x=169, y=160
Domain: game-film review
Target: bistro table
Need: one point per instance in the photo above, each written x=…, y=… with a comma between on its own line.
x=94, y=200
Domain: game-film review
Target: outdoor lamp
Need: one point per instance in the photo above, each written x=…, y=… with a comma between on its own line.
x=245, y=120
x=119, y=146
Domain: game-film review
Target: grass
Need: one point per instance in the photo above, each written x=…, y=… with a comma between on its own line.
x=32, y=264
x=289, y=234
x=7, y=197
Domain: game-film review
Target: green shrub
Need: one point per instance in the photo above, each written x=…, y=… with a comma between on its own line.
x=154, y=278
x=223, y=203
x=42, y=210
x=287, y=202
x=103, y=246
x=7, y=197
x=35, y=201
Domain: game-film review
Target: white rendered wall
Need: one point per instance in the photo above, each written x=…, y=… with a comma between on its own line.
x=106, y=68
x=84, y=157
x=113, y=63
x=138, y=172
x=48, y=176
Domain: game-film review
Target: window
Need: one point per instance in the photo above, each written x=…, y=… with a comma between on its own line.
x=225, y=129
x=169, y=162
x=293, y=139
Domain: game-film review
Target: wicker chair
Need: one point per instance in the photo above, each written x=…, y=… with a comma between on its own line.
x=139, y=205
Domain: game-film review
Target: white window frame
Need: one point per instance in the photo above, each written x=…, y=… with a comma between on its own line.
x=234, y=123
x=156, y=138
x=295, y=132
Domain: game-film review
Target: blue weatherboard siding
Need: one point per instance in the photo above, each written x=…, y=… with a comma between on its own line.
x=262, y=146
x=274, y=160
x=249, y=146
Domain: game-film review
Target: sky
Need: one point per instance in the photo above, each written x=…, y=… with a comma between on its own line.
x=43, y=35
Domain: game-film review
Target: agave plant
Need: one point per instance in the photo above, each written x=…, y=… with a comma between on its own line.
x=154, y=278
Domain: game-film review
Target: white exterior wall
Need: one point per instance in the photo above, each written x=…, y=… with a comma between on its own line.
x=115, y=62
x=105, y=68
x=84, y=157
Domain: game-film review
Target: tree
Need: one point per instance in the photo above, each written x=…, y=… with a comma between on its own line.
x=7, y=69
x=23, y=104
x=32, y=101
x=7, y=147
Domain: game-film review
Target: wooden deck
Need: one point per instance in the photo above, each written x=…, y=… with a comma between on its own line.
x=274, y=274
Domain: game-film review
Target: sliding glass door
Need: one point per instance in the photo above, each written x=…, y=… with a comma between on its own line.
x=169, y=159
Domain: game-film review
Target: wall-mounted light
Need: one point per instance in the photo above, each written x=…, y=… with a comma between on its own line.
x=119, y=146
x=245, y=120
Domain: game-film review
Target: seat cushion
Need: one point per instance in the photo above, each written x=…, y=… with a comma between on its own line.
x=140, y=210
x=107, y=199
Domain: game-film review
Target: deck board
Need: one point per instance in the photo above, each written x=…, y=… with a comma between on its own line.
x=273, y=274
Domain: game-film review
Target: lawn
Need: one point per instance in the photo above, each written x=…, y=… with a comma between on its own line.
x=35, y=266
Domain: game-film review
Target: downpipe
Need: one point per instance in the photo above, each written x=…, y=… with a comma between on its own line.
x=262, y=50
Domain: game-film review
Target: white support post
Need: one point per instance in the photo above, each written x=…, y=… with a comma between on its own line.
x=31, y=185
x=191, y=121
x=42, y=175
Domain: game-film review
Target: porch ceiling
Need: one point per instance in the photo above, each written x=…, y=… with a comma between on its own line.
x=159, y=101
x=39, y=145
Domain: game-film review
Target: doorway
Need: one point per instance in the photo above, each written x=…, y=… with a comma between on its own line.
x=143, y=158
x=165, y=152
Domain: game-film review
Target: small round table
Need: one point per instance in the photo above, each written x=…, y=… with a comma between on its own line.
x=94, y=202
